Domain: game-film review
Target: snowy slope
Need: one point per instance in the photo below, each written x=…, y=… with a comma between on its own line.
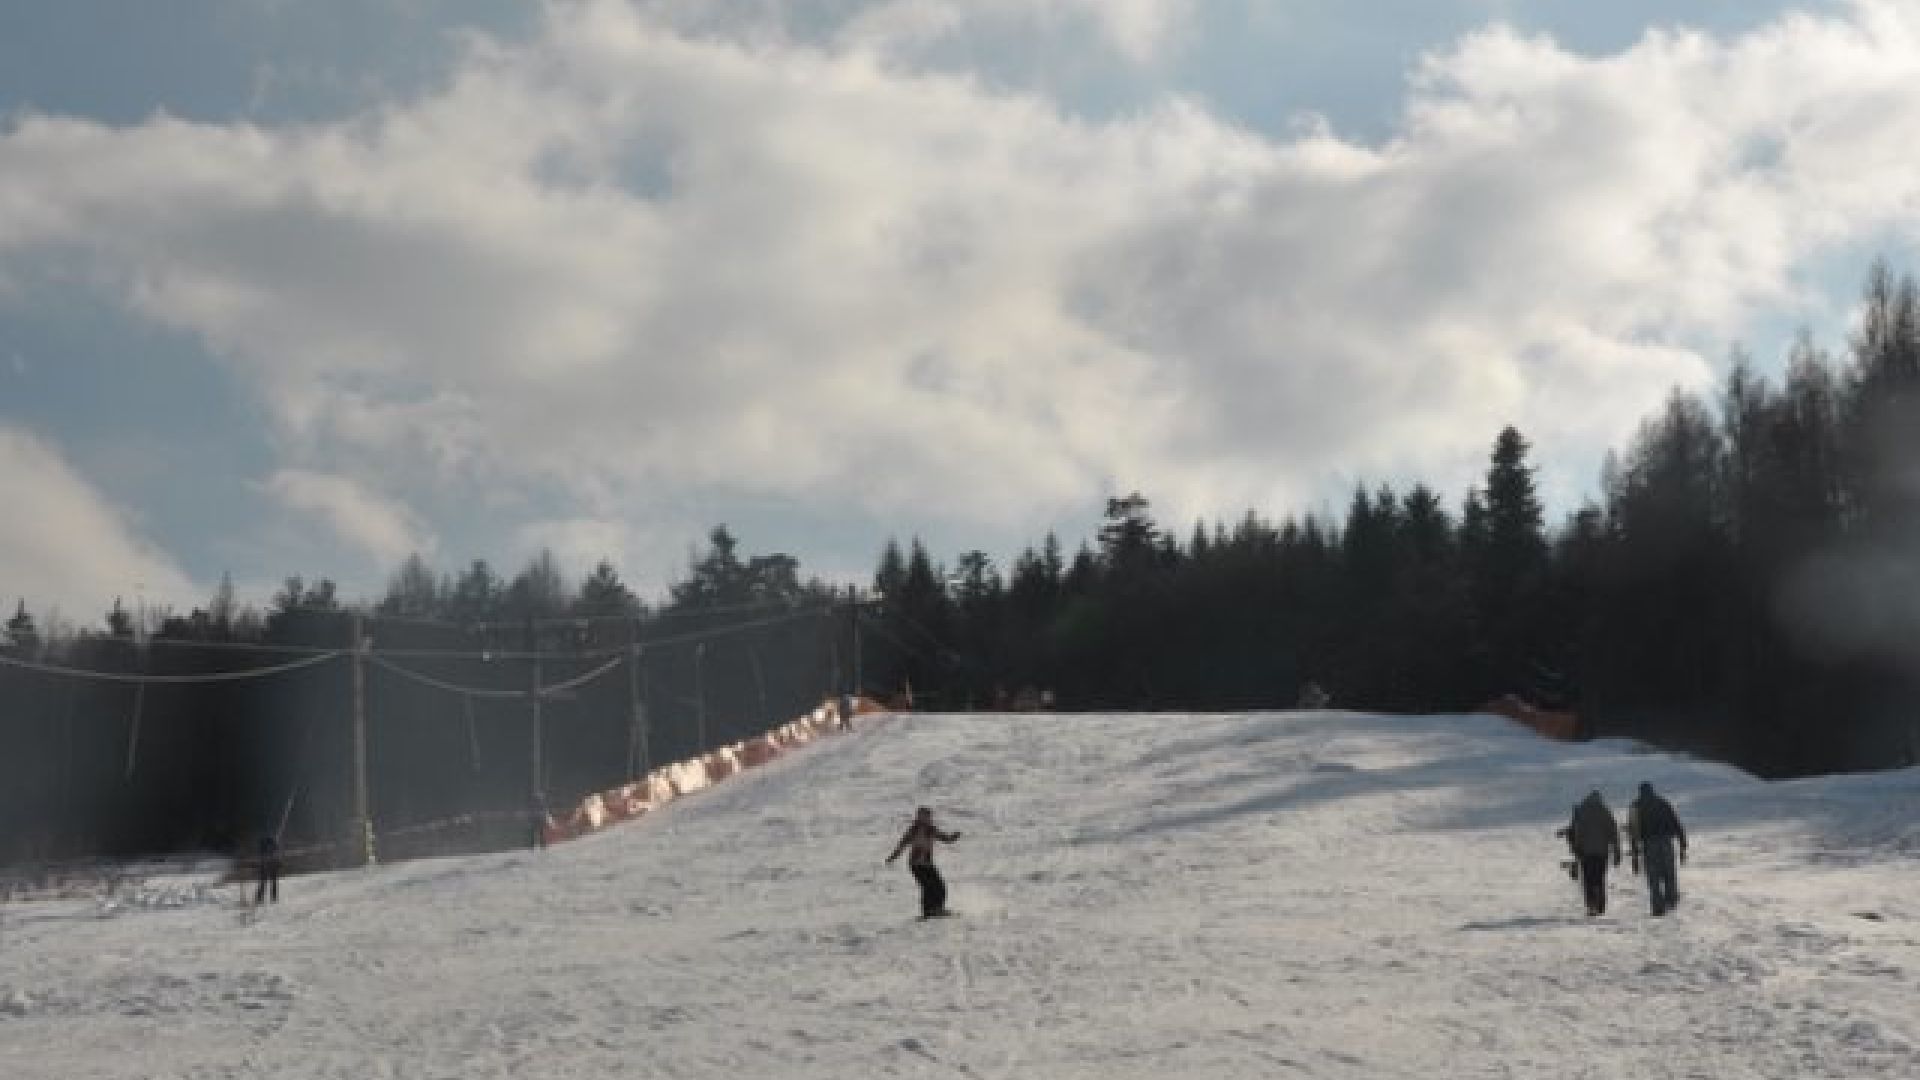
x=1277, y=895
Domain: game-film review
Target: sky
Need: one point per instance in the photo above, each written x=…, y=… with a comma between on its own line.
x=305, y=289
x=1316, y=896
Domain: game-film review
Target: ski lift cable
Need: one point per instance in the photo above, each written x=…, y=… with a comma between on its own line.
x=236, y=646
x=439, y=684
x=719, y=631
x=316, y=654
x=670, y=613
x=881, y=629
x=582, y=680
x=206, y=677
x=603, y=652
x=940, y=648
x=488, y=692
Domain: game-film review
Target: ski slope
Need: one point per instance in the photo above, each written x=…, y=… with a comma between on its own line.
x=1269, y=895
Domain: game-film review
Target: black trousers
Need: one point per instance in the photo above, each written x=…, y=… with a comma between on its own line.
x=1593, y=882
x=933, y=889
x=269, y=882
x=1663, y=879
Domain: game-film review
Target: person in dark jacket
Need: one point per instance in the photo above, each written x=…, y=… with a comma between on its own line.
x=1653, y=831
x=269, y=870
x=917, y=842
x=1594, y=836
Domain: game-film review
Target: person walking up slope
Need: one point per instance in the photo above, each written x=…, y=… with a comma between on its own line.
x=1652, y=830
x=1594, y=836
x=917, y=842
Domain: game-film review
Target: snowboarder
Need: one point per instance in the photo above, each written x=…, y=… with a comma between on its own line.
x=917, y=842
x=1652, y=830
x=269, y=870
x=1594, y=836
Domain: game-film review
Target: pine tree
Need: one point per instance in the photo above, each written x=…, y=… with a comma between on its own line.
x=221, y=610
x=475, y=595
x=891, y=576
x=717, y=579
x=1129, y=538
x=1508, y=565
x=413, y=592
x=119, y=623
x=603, y=594
x=22, y=635
x=539, y=591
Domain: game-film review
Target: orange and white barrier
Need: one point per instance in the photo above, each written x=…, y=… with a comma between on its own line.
x=669, y=782
x=1564, y=726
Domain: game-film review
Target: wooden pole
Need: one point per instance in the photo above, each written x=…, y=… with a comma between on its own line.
x=832, y=633
x=362, y=816
x=538, y=779
x=139, y=707
x=859, y=672
x=637, y=762
x=760, y=683
x=700, y=698
x=133, y=730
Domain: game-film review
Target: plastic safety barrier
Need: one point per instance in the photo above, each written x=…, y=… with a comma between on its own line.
x=669, y=782
x=1564, y=726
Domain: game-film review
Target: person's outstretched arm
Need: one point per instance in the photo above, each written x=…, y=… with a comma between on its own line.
x=901, y=846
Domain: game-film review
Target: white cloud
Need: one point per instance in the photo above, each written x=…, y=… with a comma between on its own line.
x=64, y=547
x=379, y=526
x=1139, y=31
x=631, y=260
x=1135, y=31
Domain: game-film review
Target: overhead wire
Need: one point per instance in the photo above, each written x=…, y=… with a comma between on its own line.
x=128, y=677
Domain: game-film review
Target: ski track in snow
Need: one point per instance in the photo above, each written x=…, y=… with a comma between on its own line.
x=1320, y=895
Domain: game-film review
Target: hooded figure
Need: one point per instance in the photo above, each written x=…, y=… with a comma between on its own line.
x=1652, y=830
x=1594, y=836
x=917, y=842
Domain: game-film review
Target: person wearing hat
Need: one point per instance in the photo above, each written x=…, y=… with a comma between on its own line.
x=1594, y=836
x=1653, y=830
x=917, y=842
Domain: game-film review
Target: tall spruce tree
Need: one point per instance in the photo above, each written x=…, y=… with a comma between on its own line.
x=1509, y=567
x=475, y=595
x=413, y=591
x=603, y=594
x=22, y=634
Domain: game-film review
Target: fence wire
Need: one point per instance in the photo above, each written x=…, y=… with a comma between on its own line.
x=117, y=748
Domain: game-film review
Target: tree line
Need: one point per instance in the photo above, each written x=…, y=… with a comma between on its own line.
x=1746, y=583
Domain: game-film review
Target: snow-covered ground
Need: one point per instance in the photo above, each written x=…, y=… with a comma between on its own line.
x=1272, y=895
